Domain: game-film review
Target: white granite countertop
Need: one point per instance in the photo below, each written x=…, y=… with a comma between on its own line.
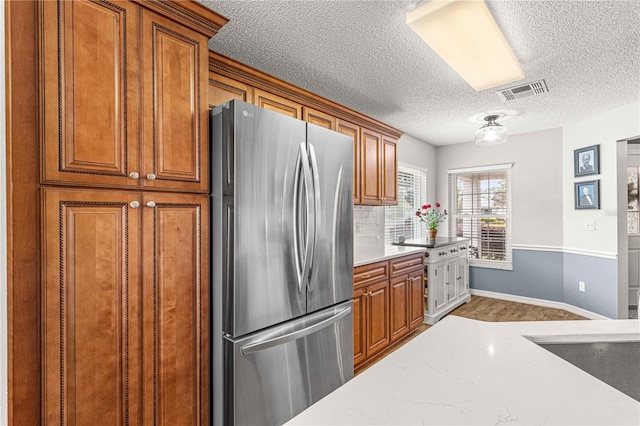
x=365, y=255
x=463, y=372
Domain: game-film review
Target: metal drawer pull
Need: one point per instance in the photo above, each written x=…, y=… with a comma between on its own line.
x=134, y=204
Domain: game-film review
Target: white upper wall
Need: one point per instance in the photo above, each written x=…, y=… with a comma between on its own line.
x=414, y=152
x=604, y=130
x=536, y=181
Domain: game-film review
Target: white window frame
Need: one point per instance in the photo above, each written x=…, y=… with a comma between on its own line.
x=409, y=213
x=453, y=174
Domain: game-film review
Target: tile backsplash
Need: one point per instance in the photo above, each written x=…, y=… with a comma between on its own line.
x=368, y=226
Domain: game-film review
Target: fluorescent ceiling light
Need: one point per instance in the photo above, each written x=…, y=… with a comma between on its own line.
x=465, y=35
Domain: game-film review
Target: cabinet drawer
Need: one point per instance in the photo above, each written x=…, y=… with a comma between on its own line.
x=447, y=252
x=407, y=263
x=371, y=273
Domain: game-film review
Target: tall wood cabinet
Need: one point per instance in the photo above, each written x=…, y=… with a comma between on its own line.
x=125, y=212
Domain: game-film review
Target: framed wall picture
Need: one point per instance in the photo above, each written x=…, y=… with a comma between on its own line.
x=587, y=194
x=586, y=161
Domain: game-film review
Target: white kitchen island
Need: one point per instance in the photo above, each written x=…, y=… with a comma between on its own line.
x=467, y=372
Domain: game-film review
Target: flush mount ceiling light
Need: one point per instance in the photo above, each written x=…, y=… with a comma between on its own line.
x=491, y=133
x=465, y=35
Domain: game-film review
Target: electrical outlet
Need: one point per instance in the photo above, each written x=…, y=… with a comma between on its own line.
x=591, y=226
x=581, y=286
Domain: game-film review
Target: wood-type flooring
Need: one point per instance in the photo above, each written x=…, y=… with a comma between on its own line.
x=495, y=310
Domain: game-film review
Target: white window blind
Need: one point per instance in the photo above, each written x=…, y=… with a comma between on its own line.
x=401, y=220
x=480, y=209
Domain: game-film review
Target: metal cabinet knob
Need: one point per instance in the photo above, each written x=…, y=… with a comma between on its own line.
x=134, y=175
x=151, y=203
x=151, y=176
x=134, y=204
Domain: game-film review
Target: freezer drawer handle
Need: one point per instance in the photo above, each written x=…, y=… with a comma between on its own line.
x=276, y=341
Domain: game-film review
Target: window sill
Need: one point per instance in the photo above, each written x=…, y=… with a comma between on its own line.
x=488, y=264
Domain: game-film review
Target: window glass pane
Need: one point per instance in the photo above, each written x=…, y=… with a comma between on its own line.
x=400, y=220
x=481, y=213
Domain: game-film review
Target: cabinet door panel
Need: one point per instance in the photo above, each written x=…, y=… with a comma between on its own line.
x=462, y=278
x=439, y=296
x=389, y=171
x=175, y=70
x=359, y=327
x=353, y=131
x=370, y=167
x=90, y=300
x=176, y=308
x=90, y=92
x=277, y=103
x=378, y=337
x=416, y=299
x=223, y=89
x=319, y=118
x=451, y=279
x=399, y=307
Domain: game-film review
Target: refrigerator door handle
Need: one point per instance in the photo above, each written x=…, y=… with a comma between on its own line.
x=303, y=259
x=316, y=204
x=276, y=341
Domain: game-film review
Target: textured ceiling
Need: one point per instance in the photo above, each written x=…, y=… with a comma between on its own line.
x=362, y=54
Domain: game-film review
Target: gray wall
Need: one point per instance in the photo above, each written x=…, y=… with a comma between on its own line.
x=600, y=276
x=536, y=274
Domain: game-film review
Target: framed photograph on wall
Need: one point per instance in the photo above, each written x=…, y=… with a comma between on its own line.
x=587, y=194
x=586, y=161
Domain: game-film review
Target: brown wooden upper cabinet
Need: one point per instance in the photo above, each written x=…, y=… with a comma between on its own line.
x=223, y=89
x=319, y=118
x=97, y=128
x=371, y=167
x=374, y=152
x=389, y=170
x=277, y=103
x=353, y=131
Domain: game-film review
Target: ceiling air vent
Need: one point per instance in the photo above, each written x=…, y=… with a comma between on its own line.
x=522, y=91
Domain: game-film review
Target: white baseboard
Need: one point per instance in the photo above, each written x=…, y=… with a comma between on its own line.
x=540, y=302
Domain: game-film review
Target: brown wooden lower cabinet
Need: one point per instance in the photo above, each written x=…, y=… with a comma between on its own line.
x=125, y=307
x=389, y=309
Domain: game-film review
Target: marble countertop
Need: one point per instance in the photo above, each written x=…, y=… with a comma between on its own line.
x=465, y=372
x=365, y=255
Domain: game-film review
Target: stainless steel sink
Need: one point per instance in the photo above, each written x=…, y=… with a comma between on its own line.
x=616, y=363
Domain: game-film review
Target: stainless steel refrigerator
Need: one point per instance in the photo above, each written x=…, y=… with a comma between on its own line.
x=282, y=269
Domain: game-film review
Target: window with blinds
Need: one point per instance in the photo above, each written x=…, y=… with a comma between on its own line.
x=401, y=220
x=480, y=209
